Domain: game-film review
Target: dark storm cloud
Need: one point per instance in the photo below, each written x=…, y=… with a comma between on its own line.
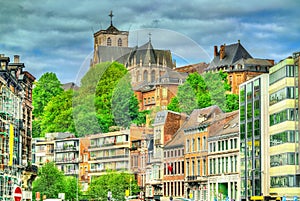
x=57, y=36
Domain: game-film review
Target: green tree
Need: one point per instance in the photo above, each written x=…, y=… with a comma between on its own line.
x=58, y=114
x=216, y=89
x=104, y=90
x=116, y=182
x=186, y=98
x=103, y=85
x=50, y=182
x=174, y=104
x=232, y=102
x=191, y=95
x=45, y=88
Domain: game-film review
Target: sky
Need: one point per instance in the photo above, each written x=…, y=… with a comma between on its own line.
x=57, y=36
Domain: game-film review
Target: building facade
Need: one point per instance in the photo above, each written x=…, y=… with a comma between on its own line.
x=254, y=137
x=15, y=128
x=166, y=124
x=66, y=155
x=223, y=158
x=196, y=152
x=283, y=131
x=240, y=66
x=109, y=151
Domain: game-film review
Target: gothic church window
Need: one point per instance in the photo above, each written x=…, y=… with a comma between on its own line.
x=153, y=76
x=119, y=42
x=146, y=76
x=108, y=41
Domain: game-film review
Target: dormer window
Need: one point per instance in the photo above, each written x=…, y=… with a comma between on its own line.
x=108, y=41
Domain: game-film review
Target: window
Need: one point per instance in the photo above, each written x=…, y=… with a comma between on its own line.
x=188, y=146
x=193, y=145
x=204, y=143
x=119, y=42
x=108, y=41
x=198, y=169
x=204, y=167
x=198, y=144
x=152, y=76
x=146, y=76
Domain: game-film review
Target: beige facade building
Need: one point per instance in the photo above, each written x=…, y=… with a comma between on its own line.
x=283, y=132
x=223, y=158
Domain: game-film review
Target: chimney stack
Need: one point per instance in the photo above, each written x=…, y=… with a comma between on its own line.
x=216, y=51
x=222, y=52
x=16, y=59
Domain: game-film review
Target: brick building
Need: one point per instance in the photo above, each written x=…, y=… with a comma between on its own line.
x=235, y=60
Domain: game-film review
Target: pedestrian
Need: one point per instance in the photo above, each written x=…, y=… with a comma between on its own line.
x=171, y=198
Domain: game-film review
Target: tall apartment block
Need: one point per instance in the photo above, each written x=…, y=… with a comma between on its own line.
x=284, y=131
x=254, y=123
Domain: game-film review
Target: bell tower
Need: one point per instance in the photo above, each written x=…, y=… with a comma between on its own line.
x=111, y=36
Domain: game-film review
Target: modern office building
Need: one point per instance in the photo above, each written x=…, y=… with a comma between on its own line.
x=254, y=142
x=283, y=131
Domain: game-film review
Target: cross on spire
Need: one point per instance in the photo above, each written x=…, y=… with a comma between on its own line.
x=149, y=36
x=111, y=16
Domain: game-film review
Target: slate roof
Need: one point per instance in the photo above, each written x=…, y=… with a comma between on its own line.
x=233, y=53
x=225, y=124
x=192, y=122
x=169, y=77
x=253, y=61
x=114, y=53
x=145, y=53
x=161, y=116
x=70, y=85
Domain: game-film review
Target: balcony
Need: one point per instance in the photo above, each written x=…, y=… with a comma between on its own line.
x=66, y=160
x=66, y=149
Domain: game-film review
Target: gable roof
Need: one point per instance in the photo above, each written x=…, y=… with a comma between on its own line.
x=233, y=53
x=191, y=122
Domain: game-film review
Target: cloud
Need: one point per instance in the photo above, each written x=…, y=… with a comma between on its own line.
x=57, y=36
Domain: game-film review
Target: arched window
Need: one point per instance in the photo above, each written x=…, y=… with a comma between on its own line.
x=120, y=42
x=145, y=76
x=108, y=41
x=152, y=76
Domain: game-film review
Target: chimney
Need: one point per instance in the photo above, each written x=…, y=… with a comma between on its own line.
x=16, y=59
x=216, y=51
x=222, y=52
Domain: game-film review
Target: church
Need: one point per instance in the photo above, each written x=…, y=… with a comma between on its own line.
x=153, y=77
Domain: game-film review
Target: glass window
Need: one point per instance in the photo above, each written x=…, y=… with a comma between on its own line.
x=108, y=41
x=120, y=42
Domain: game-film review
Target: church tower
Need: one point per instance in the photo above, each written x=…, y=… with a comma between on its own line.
x=111, y=36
